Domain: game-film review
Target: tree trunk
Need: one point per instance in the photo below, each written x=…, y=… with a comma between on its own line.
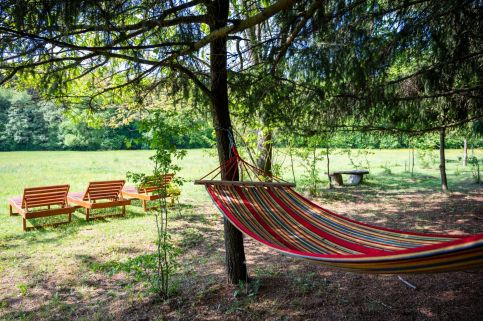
x=291, y=162
x=264, y=134
x=465, y=152
x=264, y=151
x=328, y=164
x=442, y=160
x=235, y=253
x=412, y=163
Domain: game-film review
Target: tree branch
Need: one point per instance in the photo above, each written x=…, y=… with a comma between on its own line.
x=193, y=77
x=307, y=15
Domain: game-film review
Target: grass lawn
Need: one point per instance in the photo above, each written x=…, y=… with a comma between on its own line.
x=69, y=272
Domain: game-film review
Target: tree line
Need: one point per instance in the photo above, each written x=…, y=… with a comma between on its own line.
x=27, y=123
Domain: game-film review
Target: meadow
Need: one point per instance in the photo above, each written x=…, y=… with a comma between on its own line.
x=68, y=272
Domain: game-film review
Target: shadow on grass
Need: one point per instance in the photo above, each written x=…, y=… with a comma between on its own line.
x=49, y=235
x=374, y=186
x=77, y=223
x=78, y=220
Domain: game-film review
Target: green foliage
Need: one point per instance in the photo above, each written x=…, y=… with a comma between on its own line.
x=381, y=65
x=28, y=124
x=475, y=168
x=249, y=289
x=23, y=289
x=426, y=157
x=305, y=283
x=310, y=157
x=141, y=268
x=164, y=131
x=359, y=158
x=386, y=169
x=26, y=127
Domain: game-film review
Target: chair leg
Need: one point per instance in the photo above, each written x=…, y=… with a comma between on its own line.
x=123, y=210
x=10, y=210
x=145, y=206
x=88, y=212
x=24, y=224
x=70, y=217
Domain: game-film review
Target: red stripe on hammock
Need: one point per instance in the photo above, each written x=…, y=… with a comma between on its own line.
x=311, y=240
x=261, y=220
x=344, y=243
x=374, y=226
x=338, y=257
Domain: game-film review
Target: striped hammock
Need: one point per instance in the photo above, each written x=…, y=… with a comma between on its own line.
x=275, y=215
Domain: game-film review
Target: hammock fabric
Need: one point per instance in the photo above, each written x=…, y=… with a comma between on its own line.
x=274, y=214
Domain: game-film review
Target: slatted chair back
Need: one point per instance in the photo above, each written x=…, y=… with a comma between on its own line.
x=104, y=190
x=45, y=196
x=151, y=184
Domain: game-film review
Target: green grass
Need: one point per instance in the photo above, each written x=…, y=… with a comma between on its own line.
x=66, y=254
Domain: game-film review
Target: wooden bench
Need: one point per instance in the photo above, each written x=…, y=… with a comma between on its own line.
x=149, y=190
x=355, y=177
x=102, y=194
x=45, y=198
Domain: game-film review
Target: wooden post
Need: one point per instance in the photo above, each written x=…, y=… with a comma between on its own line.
x=442, y=160
x=234, y=250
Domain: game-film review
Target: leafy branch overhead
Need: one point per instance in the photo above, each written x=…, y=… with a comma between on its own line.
x=311, y=66
x=403, y=66
x=67, y=41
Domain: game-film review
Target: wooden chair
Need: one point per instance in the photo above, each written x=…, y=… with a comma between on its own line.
x=44, y=198
x=102, y=194
x=148, y=191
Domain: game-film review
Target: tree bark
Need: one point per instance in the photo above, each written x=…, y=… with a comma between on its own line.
x=465, y=152
x=442, y=160
x=264, y=133
x=264, y=150
x=234, y=250
x=328, y=164
x=412, y=163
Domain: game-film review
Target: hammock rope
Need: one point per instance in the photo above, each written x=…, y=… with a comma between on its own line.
x=271, y=212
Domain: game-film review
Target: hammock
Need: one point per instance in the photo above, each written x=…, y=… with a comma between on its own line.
x=274, y=214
